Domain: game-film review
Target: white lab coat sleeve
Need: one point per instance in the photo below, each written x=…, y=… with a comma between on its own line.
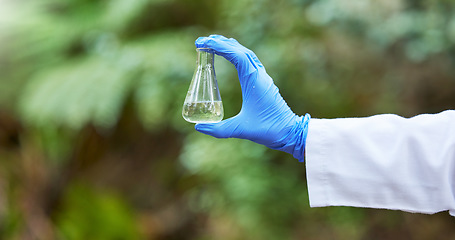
x=384, y=161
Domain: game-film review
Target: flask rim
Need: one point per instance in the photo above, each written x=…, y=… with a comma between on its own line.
x=205, y=49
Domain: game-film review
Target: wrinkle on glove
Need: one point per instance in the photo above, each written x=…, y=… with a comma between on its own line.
x=265, y=117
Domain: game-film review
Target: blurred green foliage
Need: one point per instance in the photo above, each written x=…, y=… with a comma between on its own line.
x=95, y=215
x=93, y=145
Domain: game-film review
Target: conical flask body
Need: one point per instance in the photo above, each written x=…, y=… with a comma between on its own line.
x=203, y=101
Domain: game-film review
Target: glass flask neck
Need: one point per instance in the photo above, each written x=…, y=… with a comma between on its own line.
x=205, y=57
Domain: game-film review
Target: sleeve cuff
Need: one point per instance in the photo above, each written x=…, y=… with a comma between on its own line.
x=316, y=162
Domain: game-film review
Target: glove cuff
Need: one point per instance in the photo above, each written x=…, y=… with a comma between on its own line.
x=294, y=142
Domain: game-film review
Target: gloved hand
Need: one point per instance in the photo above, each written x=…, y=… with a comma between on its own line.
x=265, y=117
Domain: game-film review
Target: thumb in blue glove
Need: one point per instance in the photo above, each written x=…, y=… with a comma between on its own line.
x=265, y=118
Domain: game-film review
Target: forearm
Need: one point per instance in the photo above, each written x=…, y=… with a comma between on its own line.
x=384, y=161
x=294, y=142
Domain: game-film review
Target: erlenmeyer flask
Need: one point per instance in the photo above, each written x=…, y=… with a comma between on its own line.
x=203, y=101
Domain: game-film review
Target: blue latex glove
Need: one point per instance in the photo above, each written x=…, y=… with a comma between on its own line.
x=265, y=117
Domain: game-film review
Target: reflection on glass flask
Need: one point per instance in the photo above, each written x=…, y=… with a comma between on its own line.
x=203, y=101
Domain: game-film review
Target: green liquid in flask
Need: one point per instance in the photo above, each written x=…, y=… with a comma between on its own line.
x=203, y=112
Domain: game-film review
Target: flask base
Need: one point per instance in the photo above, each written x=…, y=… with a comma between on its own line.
x=203, y=112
